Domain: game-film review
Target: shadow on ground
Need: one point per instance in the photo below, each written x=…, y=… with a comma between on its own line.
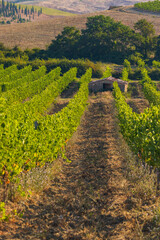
x=75, y=206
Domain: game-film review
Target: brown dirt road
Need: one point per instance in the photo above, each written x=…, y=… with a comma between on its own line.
x=87, y=200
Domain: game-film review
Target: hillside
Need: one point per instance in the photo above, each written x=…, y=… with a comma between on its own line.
x=81, y=6
x=41, y=32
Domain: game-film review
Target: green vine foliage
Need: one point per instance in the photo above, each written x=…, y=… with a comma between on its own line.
x=141, y=131
x=151, y=94
x=125, y=74
x=107, y=73
x=127, y=66
x=3, y=215
x=29, y=136
x=20, y=80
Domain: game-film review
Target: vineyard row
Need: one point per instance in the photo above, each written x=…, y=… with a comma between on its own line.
x=31, y=139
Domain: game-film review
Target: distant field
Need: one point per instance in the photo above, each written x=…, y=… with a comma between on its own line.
x=79, y=6
x=41, y=32
x=48, y=11
x=153, y=6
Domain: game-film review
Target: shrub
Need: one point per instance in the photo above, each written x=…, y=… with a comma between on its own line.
x=124, y=74
x=107, y=73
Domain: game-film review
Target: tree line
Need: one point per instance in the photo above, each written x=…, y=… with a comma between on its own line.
x=106, y=40
x=9, y=9
x=103, y=39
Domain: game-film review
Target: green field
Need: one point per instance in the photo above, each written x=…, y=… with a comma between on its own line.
x=48, y=11
x=45, y=10
x=151, y=6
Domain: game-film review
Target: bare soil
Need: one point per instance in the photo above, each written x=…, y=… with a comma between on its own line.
x=131, y=9
x=64, y=98
x=137, y=101
x=99, y=194
x=71, y=90
x=83, y=6
x=23, y=16
x=138, y=105
x=158, y=86
x=88, y=198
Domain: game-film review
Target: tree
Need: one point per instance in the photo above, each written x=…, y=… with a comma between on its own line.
x=65, y=44
x=145, y=39
x=106, y=40
x=145, y=28
x=26, y=11
x=157, y=56
x=32, y=10
x=3, y=5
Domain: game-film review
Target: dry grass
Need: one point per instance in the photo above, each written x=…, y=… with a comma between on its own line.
x=47, y=11
x=41, y=32
x=35, y=180
x=102, y=194
x=143, y=196
x=64, y=98
x=135, y=98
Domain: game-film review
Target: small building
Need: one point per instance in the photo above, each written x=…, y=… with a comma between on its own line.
x=106, y=84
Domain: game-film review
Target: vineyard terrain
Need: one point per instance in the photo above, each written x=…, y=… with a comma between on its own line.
x=91, y=197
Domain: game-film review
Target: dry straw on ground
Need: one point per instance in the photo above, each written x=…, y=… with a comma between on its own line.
x=101, y=194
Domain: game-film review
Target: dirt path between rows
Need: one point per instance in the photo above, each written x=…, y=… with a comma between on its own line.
x=87, y=200
x=137, y=101
x=63, y=99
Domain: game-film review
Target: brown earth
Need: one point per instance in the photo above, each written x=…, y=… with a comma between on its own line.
x=40, y=33
x=83, y=6
x=64, y=98
x=158, y=86
x=137, y=101
x=88, y=199
x=36, y=18
x=138, y=105
x=96, y=195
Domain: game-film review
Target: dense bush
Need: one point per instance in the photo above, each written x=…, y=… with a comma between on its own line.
x=64, y=64
x=151, y=6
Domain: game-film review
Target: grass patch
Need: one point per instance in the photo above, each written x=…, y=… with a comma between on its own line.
x=32, y=182
x=48, y=11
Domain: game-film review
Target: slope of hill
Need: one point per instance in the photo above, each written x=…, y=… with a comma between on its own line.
x=48, y=11
x=41, y=32
x=80, y=6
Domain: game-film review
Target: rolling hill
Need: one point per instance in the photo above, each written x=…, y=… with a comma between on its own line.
x=41, y=32
x=80, y=6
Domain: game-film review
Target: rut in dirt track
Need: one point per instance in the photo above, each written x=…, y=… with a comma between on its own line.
x=86, y=200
